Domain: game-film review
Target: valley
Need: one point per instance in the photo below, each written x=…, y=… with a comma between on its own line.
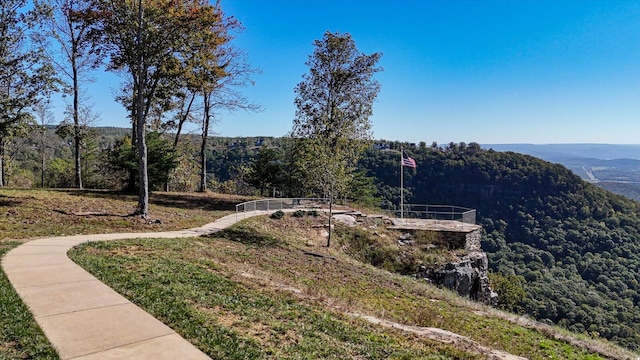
x=610, y=166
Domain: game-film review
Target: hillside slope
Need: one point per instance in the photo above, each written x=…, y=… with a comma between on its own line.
x=268, y=288
x=576, y=245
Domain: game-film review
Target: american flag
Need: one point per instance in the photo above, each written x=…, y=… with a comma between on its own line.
x=407, y=161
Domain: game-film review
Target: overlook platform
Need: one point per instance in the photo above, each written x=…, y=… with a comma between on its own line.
x=456, y=225
x=433, y=225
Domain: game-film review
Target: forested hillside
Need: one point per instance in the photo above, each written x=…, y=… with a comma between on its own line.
x=576, y=245
x=44, y=158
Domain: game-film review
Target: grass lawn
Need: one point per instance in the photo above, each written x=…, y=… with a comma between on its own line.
x=38, y=213
x=20, y=336
x=252, y=292
x=27, y=214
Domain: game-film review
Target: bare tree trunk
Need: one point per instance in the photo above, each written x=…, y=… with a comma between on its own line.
x=330, y=217
x=203, y=146
x=42, y=156
x=42, y=179
x=143, y=179
x=203, y=165
x=2, y=179
x=131, y=182
x=76, y=156
x=76, y=120
x=182, y=120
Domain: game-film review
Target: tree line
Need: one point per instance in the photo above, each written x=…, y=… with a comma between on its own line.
x=178, y=60
x=179, y=65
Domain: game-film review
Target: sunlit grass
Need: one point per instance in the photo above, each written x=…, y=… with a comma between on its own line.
x=27, y=214
x=229, y=318
x=255, y=284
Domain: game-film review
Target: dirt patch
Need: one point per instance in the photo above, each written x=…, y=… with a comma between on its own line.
x=443, y=336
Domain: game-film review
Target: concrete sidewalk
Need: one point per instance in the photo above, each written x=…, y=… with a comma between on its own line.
x=82, y=317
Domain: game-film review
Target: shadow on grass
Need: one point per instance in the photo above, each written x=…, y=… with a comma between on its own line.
x=247, y=236
x=194, y=201
x=177, y=200
x=9, y=202
x=102, y=194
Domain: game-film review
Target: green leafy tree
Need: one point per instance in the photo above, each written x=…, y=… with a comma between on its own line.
x=24, y=76
x=185, y=176
x=150, y=40
x=362, y=189
x=510, y=290
x=162, y=158
x=267, y=171
x=59, y=173
x=333, y=105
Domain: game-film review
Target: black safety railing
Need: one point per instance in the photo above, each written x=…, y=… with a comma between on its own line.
x=276, y=204
x=437, y=212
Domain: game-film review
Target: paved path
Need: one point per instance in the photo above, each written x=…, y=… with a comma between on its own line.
x=82, y=317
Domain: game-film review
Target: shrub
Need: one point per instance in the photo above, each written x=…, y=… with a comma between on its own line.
x=299, y=213
x=277, y=215
x=510, y=289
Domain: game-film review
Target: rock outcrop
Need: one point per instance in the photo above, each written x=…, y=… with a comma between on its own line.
x=468, y=277
x=346, y=219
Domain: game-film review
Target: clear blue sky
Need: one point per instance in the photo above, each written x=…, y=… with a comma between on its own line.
x=474, y=71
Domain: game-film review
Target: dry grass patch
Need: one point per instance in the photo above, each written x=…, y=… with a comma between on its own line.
x=37, y=213
x=208, y=299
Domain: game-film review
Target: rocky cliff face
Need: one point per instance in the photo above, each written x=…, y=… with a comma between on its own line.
x=468, y=277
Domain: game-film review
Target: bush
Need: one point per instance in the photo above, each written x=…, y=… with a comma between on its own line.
x=277, y=215
x=510, y=289
x=299, y=213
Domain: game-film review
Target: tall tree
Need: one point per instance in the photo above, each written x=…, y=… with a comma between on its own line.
x=43, y=112
x=333, y=105
x=23, y=75
x=72, y=57
x=217, y=70
x=149, y=39
x=267, y=171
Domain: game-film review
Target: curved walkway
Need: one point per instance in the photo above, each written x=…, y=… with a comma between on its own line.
x=82, y=317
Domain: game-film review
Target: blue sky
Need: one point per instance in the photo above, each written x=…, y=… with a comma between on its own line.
x=474, y=71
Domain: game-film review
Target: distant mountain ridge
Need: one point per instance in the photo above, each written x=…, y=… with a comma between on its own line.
x=611, y=166
x=562, y=152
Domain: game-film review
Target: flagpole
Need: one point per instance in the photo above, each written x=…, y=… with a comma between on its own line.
x=401, y=184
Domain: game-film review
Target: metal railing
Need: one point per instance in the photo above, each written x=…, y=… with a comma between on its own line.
x=411, y=211
x=275, y=204
x=438, y=212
